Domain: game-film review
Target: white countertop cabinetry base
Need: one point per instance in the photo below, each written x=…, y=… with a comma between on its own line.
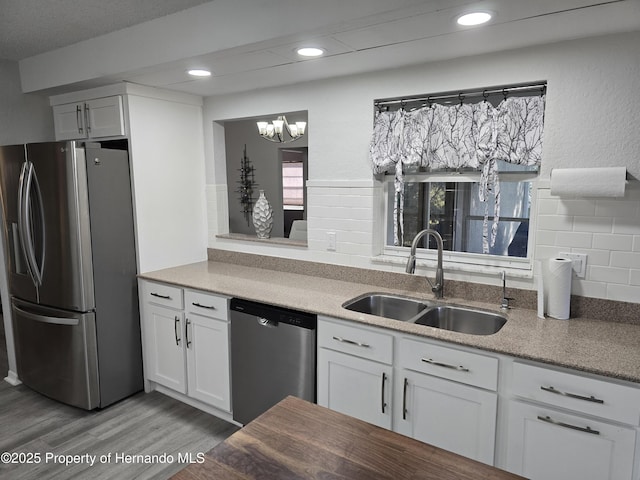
x=185, y=335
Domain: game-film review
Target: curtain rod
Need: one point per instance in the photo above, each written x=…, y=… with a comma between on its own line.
x=462, y=94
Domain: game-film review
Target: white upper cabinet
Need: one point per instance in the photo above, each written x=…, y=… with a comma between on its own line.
x=97, y=118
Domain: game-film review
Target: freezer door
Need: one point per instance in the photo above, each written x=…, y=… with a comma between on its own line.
x=56, y=353
x=62, y=241
x=12, y=159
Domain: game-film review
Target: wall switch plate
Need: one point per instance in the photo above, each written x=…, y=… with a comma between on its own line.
x=331, y=241
x=578, y=262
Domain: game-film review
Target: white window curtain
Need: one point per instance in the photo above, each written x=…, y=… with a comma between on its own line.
x=459, y=136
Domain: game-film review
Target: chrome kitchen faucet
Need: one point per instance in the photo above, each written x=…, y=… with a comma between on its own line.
x=437, y=289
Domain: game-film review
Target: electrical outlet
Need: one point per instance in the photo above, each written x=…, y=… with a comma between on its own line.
x=331, y=241
x=578, y=262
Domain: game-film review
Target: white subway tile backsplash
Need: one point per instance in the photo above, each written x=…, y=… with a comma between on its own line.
x=547, y=206
x=546, y=237
x=338, y=212
x=612, y=242
x=623, y=293
x=585, y=288
x=555, y=222
x=576, y=207
x=595, y=257
x=625, y=259
x=347, y=224
x=607, y=230
x=608, y=274
x=626, y=225
x=616, y=208
x=574, y=239
x=592, y=224
x=543, y=252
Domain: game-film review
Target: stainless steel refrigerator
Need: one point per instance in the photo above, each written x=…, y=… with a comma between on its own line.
x=71, y=266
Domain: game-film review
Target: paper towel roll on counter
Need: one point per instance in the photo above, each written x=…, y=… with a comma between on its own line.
x=558, y=287
x=589, y=182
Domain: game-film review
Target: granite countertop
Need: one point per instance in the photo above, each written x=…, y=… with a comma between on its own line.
x=595, y=346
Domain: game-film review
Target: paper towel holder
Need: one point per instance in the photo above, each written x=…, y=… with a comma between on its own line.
x=593, y=182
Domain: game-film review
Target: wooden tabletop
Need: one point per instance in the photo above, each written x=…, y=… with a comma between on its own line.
x=296, y=439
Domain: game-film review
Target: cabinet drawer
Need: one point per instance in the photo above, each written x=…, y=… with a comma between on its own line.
x=359, y=341
x=545, y=443
x=161, y=294
x=586, y=395
x=464, y=367
x=206, y=304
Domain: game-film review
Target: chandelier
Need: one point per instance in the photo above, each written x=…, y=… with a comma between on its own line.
x=275, y=131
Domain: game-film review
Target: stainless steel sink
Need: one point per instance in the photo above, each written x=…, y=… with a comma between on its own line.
x=462, y=320
x=388, y=306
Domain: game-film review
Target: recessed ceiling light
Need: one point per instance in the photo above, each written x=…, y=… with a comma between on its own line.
x=199, y=73
x=310, y=52
x=474, y=18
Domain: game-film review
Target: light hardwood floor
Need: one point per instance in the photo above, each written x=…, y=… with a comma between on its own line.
x=144, y=424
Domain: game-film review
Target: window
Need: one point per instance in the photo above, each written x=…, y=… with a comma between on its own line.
x=454, y=210
x=461, y=164
x=293, y=185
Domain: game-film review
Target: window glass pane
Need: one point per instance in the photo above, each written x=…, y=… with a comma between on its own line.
x=292, y=184
x=454, y=210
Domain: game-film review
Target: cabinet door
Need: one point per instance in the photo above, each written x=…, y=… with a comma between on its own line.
x=544, y=444
x=68, y=121
x=207, y=343
x=355, y=386
x=458, y=418
x=164, y=347
x=104, y=117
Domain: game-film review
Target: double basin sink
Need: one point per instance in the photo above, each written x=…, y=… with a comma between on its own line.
x=424, y=312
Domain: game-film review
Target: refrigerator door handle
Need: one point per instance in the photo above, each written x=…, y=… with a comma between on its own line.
x=46, y=319
x=21, y=218
x=27, y=239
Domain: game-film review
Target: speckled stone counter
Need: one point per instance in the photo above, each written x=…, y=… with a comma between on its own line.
x=595, y=346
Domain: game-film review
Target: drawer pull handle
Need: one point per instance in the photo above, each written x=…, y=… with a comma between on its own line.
x=572, y=395
x=384, y=378
x=459, y=368
x=548, y=419
x=196, y=304
x=351, y=342
x=166, y=297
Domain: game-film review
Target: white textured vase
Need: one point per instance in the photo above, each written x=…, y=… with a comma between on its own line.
x=263, y=217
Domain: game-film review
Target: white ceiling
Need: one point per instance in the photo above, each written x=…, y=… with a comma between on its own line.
x=30, y=27
x=250, y=44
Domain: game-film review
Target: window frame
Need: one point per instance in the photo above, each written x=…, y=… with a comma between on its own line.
x=458, y=261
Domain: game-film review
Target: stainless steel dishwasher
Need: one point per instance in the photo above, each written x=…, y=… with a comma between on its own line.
x=273, y=354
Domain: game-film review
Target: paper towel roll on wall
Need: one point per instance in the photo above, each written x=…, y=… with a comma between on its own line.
x=557, y=287
x=589, y=182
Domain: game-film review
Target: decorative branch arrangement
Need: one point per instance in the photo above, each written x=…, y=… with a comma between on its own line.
x=246, y=186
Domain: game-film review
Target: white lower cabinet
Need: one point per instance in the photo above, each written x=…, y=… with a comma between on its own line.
x=417, y=398
x=207, y=346
x=355, y=375
x=458, y=418
x=186, y=342
x=566, y=426
x=355, y=386
x=164, y=350
x=446, y=397
x=547, y=444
